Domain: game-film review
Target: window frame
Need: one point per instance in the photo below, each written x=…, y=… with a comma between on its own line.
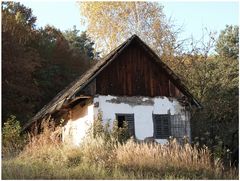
x=162, y=134
x=133, y=120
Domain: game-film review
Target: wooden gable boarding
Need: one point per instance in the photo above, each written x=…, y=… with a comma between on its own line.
x=135, y=73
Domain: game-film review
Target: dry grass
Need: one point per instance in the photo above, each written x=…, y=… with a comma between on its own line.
x=156, y=155
x=172, y=158
x=97, y=158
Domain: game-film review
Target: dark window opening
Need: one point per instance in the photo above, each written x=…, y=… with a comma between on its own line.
x=162, y=126
x=121, y=119
x=129, y=118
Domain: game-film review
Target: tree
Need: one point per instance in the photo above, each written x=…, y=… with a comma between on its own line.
x=110, y=23
x=19, y=61
x=18, y=20
x=62, y=62
x=37, y=63
x=213, y=79
x=228, y=42
x=80, y=43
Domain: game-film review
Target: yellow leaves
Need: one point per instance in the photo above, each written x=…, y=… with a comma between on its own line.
x=110, y=23
x=103, y=19
x=156, y=25
x=18, y=16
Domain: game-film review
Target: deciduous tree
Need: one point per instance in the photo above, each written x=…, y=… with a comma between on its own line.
x=19, y=61
x=110, y=23
x=228, y=42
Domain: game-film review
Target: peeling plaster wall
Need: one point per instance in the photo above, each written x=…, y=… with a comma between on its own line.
x=81, y=117
x=80, y=120
x=142, y=108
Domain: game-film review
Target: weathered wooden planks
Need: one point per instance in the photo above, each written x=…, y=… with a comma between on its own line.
x=134, y=73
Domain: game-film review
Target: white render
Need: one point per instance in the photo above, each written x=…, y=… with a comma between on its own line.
x=142, y=112
x=76, y=128
x=109, y=106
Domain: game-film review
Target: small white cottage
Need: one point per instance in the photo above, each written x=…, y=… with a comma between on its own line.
x=130, y=84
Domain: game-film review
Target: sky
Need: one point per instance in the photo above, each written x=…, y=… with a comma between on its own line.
x=192, y=16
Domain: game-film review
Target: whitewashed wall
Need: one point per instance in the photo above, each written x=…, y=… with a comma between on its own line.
x=142, y=108
x=76, y=128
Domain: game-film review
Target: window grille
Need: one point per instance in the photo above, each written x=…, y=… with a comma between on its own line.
x=129, y=118
x=162, y=126
x=178, y=127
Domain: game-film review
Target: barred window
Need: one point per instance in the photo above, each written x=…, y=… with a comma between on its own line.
x=129, y=118
x=179, y=127
x=162, y=126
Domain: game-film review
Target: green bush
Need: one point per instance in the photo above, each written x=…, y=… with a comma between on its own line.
x=12, y=141
x=114, y=134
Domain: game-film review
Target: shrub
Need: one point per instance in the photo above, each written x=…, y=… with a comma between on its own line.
x=115, y=134
x=120, y=134
x=97, y=127
x=13, y=142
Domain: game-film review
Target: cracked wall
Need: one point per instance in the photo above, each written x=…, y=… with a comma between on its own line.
x=142, y=108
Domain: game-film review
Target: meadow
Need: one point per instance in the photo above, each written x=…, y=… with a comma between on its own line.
x=102, y=157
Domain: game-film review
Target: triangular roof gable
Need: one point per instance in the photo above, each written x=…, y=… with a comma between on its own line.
x=90, y=75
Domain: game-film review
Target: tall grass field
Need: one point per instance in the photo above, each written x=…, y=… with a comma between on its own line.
x=101, y=158
x=104, y=154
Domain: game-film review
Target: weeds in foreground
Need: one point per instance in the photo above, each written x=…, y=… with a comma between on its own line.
x=103, y=156
x=98, y=159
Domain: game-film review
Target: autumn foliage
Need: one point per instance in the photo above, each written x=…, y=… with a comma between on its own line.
x=37, y=63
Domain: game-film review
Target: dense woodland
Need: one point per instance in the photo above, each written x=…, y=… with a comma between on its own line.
x=37, y=63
